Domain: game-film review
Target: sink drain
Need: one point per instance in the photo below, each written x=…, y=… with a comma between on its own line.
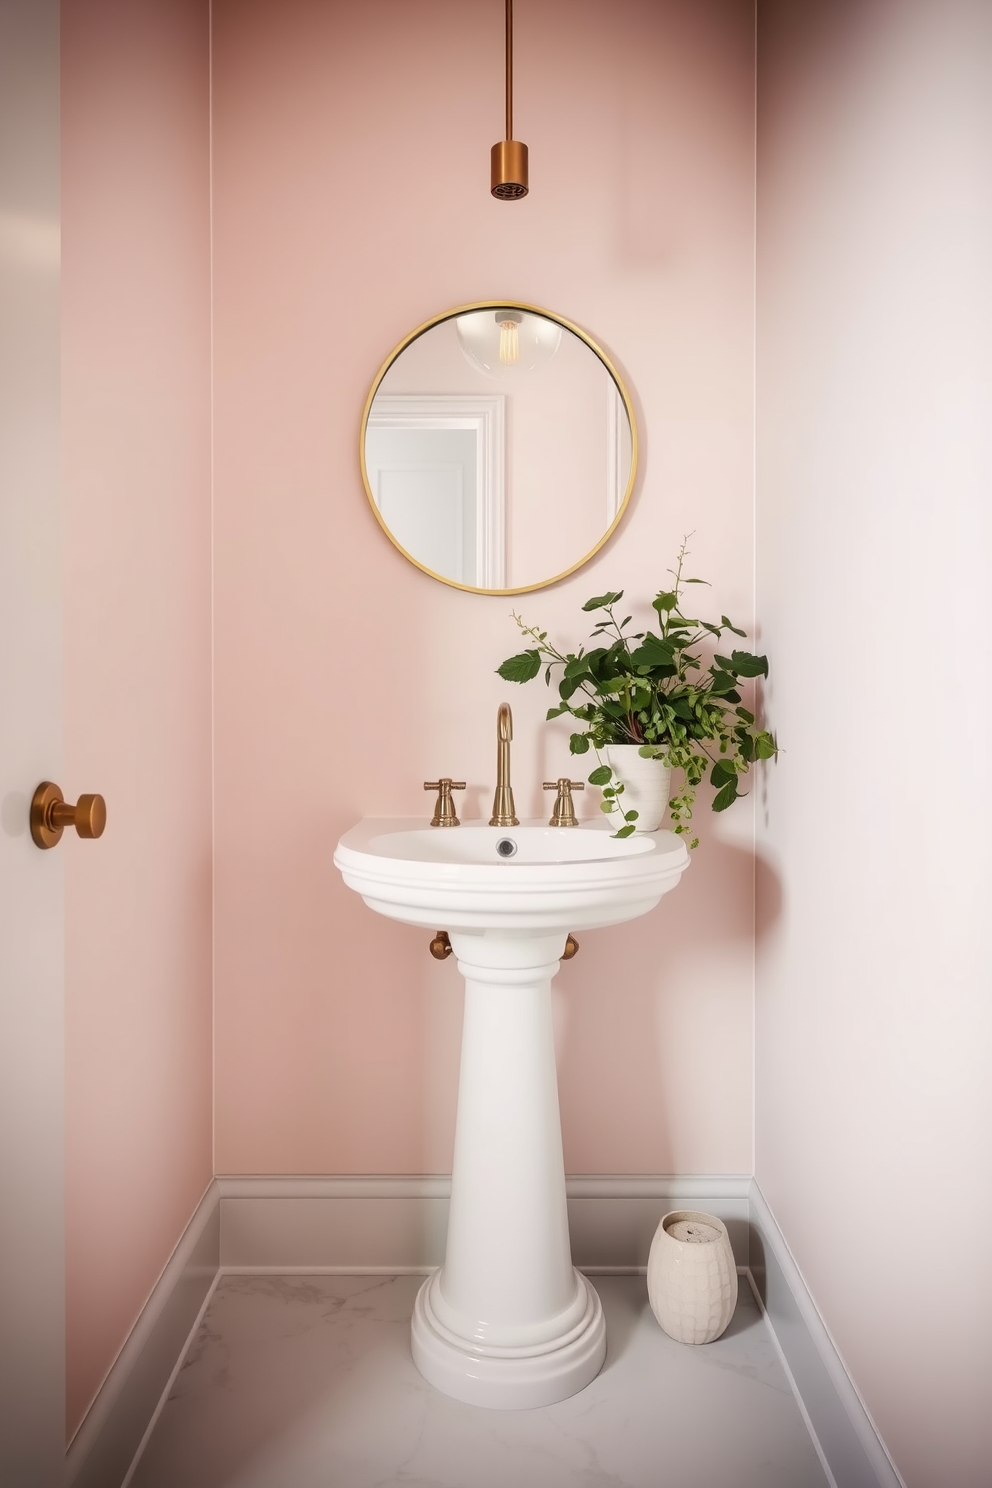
x=506, y=847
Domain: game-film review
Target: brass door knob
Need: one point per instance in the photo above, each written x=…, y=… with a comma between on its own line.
x=51, y=814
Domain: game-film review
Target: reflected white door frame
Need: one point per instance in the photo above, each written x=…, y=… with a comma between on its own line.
x=486, y=417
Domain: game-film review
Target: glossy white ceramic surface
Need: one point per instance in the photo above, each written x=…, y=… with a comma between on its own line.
x=560, y=878
x=507, y=1322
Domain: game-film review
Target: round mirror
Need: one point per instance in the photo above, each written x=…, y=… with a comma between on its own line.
x=498, y=447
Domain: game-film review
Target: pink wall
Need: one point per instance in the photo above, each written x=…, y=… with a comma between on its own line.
x=874, y=550
x=351, y=203
x=136, y=471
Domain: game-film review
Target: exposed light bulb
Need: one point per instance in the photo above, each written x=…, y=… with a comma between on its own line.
x=509, y=341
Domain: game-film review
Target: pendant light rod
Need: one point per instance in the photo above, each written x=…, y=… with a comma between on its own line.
x=509, y=69
x=508, y=158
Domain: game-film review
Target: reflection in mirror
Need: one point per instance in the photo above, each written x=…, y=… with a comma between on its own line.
x=498, y=448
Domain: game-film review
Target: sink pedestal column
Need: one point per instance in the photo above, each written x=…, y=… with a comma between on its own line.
x=508, y=1322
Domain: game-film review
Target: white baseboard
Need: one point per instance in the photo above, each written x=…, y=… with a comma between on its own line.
x=363, y=1225
x=849, y=1445
x=399, y=1224
x=100, y=1452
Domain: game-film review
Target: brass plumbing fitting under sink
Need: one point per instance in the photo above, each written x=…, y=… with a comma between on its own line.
x=441, y=948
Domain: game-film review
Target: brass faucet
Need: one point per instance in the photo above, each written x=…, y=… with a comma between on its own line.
x=444, y=807
x=564, y=812
x=504, y=814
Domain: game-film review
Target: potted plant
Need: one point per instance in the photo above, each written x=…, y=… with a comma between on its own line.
x=651, y=697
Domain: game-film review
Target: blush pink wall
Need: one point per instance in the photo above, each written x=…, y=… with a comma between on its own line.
x=874, y=960
x=136, y=473
x=351, y=202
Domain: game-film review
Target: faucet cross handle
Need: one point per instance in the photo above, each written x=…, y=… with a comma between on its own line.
x=563, y=814
x=444, y=807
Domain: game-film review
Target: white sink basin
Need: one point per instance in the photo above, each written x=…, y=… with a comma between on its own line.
x=568, y=878
x=507, y=1322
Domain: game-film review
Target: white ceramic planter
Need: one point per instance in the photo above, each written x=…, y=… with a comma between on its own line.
x=646, y=783
x=692, y=1277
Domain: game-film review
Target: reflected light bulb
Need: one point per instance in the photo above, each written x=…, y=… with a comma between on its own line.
x=509, y=337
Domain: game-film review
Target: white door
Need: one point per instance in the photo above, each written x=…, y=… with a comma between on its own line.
x=32, y=1286
x=424, y=483
x=435, y=467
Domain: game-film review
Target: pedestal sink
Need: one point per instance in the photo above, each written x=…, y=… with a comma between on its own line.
x=507, y=1322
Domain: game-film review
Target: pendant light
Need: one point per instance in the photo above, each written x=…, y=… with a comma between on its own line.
x=508, y=158
x=507, y=342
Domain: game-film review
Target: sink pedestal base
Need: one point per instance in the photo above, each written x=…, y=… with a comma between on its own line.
x=507, y=1322
x=510, y=1379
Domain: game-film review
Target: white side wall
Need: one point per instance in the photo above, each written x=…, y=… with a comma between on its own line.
x=874, y=379
x=31, y=882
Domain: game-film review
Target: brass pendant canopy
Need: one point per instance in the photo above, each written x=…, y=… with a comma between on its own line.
x=508, y=175
x=508, y=170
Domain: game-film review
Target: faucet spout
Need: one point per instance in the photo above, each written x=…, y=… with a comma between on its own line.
x=504, y=813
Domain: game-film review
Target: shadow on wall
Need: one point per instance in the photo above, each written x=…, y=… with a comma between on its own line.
x=629, y=1062
x=767, y=897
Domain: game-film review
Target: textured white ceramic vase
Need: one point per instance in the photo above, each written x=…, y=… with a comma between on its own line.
x=692, y=1277
x=646, y=784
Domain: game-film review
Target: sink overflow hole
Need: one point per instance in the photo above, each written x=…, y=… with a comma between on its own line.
x=506, y=847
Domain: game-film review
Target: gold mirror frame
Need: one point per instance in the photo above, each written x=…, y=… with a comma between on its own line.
x=593, y=347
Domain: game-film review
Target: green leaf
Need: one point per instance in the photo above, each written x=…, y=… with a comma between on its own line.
x=608, y=806
x=728, y=626
x=521, y=668
x=722, y=774
x=575, y=667
x=665, y=601
x=579, y=744
x=653, y=650
x=744, y=714
x=725, y=797
x=627, y=831
x=601, y=600
x=631, y=815
x=764, y=746
x=747, y=665
x=556, y=712
x=602, y=775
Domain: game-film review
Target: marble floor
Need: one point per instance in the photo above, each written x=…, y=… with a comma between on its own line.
x=307, y=1382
